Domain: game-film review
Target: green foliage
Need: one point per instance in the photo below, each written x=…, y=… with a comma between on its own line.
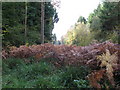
x=82, y=20
x=41, y=75
x=95, y=23
x=29, y=75
x=109, y=15
x=79, y=35
x=81, y=83
x=13, y=23
x=105, y=21
x=103, y=24
x=71, y=74
x=11, y=63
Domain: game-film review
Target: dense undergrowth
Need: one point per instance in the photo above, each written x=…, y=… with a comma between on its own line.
x=19, y=74
x=62, y=66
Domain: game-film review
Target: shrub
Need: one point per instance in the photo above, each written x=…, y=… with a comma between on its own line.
x=41, y=75
x=11, y=63
x=71, y=74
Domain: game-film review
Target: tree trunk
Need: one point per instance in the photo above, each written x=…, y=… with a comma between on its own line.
x=25, y=21
x=42, y=22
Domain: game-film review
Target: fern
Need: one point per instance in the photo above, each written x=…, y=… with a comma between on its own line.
x=95, y=77
x=109, y=61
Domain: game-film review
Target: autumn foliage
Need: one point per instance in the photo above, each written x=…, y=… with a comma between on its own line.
x=95, y=77
x=67, y=55
x=102, y=57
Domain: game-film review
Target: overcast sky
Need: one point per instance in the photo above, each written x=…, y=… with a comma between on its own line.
x=69, y=12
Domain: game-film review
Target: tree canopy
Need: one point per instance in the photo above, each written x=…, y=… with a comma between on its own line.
x=13, y=22
x=103, y=24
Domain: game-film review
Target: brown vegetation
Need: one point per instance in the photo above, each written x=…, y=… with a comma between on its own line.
x=67, y=55
x=102, y=58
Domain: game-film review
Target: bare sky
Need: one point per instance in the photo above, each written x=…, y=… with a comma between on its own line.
x=69, y=13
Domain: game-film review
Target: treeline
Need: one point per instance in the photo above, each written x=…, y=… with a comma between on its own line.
x=101, y=25
x=13, y=23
